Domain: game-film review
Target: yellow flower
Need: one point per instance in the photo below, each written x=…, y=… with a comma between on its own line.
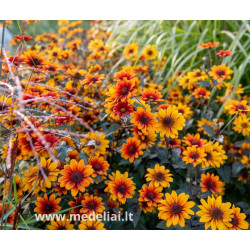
x=242, y=125
x=170, y=121
x=215, y=214
x=175, y=209
x=194, y=155
x=159, y=176
x=150, y=52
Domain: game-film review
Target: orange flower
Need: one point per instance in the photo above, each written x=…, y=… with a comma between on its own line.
x=33, y=59
x=120, y=186
x=122, y=109
x=6, y=209
x=76, y=176
x=150, y=194
x=92, y=79
x=194, y=140
x=150, y=95
x=225, y=53
x=47, y=205
x=194, y=155
x=144, y=119
x=131, y=149
x=211, y=183
x=91, y=204
x=220, y=72
x=99, y=166
x=208, y=45
x=235, y=106
x=201, y=93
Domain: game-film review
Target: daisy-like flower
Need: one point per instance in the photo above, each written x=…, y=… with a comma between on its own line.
x=211, y=183
x=220, y=73
x=150, y=194
x=99, y=145
x=61, y=225
x=170, y=121
x=150, y=52
x=47, y=205
x=76, y=176
x=221, y=153
x=17, y=185
x=131, y=149
x=40, y=178
x=212, y=158
x=159, y=176
x=92, y=79
x=197, y=75
x=144, y=119
x=123, y=90
x=122, y=109
x=76, y=204
x=238, y=221
x=235, y=106
x=242, y=125
x=120, y=186
x=51, y=141
x=208, y=45
x=147, y=140
x=175, y=209
x=99, y=166
x=151, y=95
x=201, y=92
x=194, y=140
x=215, y=214
x=224, y=53
x=146, y=208
x=32, y=59
x=130, y=50
x=194, y=155
x=91, y=225
x=184, y=110
x=91, y=204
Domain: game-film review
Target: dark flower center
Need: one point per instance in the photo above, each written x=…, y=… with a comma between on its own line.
x=132, y=149
x=210, y=184
x=91, y=228
x=3, y=106
x=234, y=221
x=77, y=75
x=220, y=73
x=123, y=110
x=240, y=106
x=48, y=208
x=61, y=228
x=35, y=61
x=150, y=52
x=198, y=74
x=151, y=98
x=55, y=54
x=76, y=176
x=122, y=188
x=94, y=79
x=144, y=119
x=97, y=167
x=168, y=121
x=216, y=213
x=45, y=171
x=195, y=143
x=150, y=195
x=244, y=125
x=98, y=143
x=130, y=51
x=159, y=176
x=181, y=111
x=124, y=90
x=209, y=156
x=194, y=155
x=91, y=205
x=176, y=208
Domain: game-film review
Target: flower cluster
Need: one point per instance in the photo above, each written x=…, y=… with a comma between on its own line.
x=86, y=128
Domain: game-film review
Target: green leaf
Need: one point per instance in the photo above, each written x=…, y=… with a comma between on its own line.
x=237, y=167
x=204, y=83
x=208, y=129
x=224, y=172
x=113, y=128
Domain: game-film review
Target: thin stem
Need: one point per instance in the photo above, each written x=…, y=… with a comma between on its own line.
x=1, y=64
